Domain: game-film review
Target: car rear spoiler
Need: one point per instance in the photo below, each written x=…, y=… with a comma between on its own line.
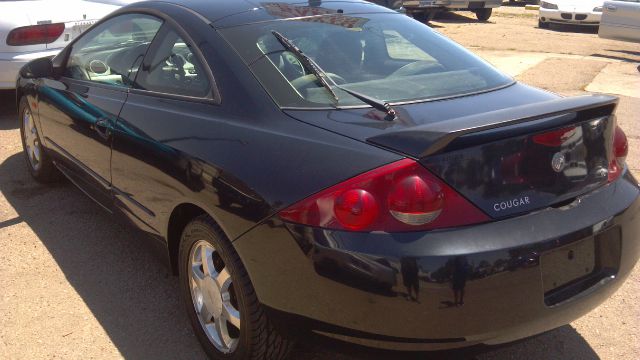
x=429, y=139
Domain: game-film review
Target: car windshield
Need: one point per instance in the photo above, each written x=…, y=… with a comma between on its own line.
x=386, y=56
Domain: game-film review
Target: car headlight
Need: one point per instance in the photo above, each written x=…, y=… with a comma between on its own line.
x=546, y=5
x=597, y=9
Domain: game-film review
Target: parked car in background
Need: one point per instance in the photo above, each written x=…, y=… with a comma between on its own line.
x=621, y=20
x=578, y=12
x=425, y=10
x=37, y=28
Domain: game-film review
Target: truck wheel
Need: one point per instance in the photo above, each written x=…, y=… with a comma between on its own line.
x=483, y=14
x=420, y=16
x=394, y=4
x=425, y=16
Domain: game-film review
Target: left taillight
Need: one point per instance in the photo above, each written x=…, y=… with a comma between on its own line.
x=399, y=197
x=35, y=34
x=620, y=149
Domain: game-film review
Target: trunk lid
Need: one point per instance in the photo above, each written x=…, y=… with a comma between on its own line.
x=507, y=159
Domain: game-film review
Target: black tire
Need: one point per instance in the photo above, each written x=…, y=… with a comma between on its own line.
x=425, y=16
x=483, y=14
x=420, y=16
x=258, y=339
x=543, y=25
x=45, y=172
x=394, y=4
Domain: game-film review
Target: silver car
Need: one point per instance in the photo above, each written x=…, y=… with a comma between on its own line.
x=621, y=20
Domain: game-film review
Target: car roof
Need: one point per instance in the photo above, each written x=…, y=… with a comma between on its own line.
x=225, y=13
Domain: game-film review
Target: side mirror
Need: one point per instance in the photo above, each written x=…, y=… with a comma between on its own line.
x=38, y=68
x=60, y=61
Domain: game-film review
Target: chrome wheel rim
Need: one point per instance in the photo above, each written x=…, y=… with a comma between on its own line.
x=31, y=140
x=213, y=297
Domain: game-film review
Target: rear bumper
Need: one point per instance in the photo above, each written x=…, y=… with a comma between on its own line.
x=476, y=285
x=570, y=17
x=11, y=63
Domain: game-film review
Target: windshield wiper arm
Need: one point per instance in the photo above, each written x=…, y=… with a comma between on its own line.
x=375, y=103
x=322, y=77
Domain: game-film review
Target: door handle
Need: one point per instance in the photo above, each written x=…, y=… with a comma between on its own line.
x=103, y=128
x=611, y=7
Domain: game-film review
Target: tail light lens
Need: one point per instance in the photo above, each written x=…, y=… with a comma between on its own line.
x=36, y=34
x=620, y=151
x=555, y=138
x=620, y=144
x=399, y=197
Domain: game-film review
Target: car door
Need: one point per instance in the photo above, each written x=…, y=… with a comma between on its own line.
x=79, y=109
x=620, y=20
x=174, y=93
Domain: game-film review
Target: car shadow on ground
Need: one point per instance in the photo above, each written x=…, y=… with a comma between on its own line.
x=457, y=17
x=620, y=55
x=8, y=110
x=571, y=28
x=135, y=298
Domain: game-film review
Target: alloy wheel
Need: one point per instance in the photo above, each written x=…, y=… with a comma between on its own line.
x=31, y=141
x=213, y=297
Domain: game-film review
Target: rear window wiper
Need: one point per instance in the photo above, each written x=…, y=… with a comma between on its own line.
x=322, y=76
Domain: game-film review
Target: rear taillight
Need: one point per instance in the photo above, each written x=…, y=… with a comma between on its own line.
x=620, y=144
x=620, y=150
x=399, y=197
x=35, y=34
x=554, y=138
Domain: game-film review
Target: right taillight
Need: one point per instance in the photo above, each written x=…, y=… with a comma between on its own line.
x=35, y=34
x=399, y=197
x=620, y=150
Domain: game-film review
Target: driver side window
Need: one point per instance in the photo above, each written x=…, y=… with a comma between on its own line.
x=112, y=52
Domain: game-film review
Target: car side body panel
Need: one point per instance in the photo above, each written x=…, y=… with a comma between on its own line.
x=620, y=21
x=76, y=118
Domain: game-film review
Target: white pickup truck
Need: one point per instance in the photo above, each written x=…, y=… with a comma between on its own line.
x=425, y=10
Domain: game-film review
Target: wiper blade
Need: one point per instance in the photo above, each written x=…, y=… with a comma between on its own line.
x=322, y=76
x=306, y=62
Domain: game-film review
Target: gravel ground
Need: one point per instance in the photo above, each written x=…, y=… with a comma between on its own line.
x=75, y=284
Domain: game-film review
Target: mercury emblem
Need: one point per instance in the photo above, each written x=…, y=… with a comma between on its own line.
x=558, y=162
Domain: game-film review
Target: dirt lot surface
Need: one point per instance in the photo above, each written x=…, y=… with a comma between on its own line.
x=74, y=284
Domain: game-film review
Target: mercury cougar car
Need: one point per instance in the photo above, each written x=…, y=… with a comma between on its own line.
x=336, y=169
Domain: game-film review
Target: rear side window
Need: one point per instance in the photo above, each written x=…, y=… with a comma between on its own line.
x=112, y=52
x=173, y=68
